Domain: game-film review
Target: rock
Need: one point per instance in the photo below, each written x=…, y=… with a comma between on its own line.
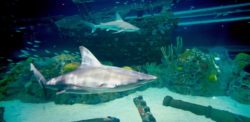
x=241, y=60
x=240, y=88
x=2, y=114
x=247, y=68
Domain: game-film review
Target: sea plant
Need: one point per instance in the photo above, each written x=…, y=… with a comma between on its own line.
x=171, y=53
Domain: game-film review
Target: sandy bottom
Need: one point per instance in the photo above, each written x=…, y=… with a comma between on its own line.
x=123, y=108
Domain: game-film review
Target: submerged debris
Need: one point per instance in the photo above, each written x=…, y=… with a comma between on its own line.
x=107, y=119
x=143, y=110
x=207, y=111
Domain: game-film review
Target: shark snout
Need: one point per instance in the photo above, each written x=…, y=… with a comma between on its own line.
x=136, y=29
x=148, y=77
x=152, y=77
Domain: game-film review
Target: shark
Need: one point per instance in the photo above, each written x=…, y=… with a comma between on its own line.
x=118, y=25
x=92, y=77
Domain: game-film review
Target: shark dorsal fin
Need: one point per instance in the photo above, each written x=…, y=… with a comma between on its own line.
x=88, y=58
x=118, y=16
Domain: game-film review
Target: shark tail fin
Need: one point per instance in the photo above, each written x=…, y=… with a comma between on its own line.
x=93, y=26
x=39, y=77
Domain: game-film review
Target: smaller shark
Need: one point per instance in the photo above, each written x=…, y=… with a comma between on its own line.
x=93, y=77
x=118, y=25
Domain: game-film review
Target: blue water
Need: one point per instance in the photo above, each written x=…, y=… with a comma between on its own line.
x=198, y=50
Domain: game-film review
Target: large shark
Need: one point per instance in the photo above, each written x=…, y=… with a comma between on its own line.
x=118, y=25
x=93, y=77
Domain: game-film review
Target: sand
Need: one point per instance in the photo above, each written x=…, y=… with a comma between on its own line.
x=122, y=108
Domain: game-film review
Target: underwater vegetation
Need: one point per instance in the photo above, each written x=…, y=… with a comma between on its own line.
x=189, y=71
x=241, y=60
x=186, y=71
x=203, y=73
x=240, y=85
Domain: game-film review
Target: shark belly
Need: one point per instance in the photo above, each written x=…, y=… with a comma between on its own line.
x=100, y=77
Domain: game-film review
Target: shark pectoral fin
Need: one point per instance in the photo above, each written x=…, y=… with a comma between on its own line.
x=118, y=31
x=60, y=92
x=88, y=58
x=107, y=85
x=93, y=29
x=93, y=26
x=40, y=78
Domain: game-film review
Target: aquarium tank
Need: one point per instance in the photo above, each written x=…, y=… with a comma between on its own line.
x=125, y=61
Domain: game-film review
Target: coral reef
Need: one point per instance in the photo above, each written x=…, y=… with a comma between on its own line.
x=70, y=67
x=195, y=72
x=198, y=70
x=239, y=88
x=2, y=114
x=191, y=71
x=14, y=80
x=241, y=60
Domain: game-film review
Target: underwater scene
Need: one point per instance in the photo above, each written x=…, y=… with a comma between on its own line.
x=125, y=61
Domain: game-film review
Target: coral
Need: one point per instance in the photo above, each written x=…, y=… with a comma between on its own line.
x=179, y=68
x=241, y=60
x=70, y=67
x=212, y=77
x=239, y=88
x=152, y=68
x=179, y=45
x=172, y=52
x=127, y=68
x=14, y=80
x=192, y=71
x=65, y=58
x=157, y=70
x=167, y=53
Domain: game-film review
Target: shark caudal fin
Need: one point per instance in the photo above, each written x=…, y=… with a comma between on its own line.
x=93, y=26
x=39, y=77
